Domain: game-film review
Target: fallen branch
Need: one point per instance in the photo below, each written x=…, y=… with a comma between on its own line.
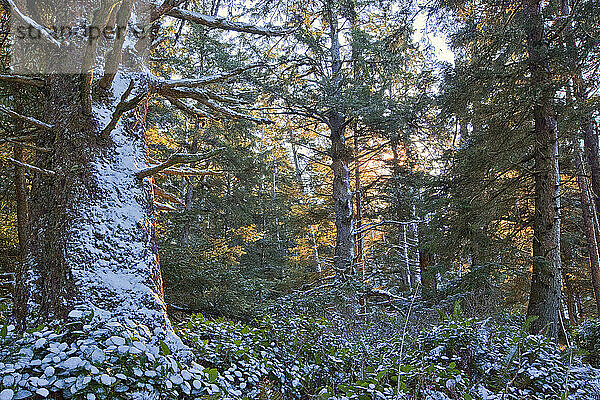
x=31, y=167
x=177, y=158
x=30, y=120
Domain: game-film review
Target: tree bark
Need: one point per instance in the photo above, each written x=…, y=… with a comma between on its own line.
x=544, y=298
x=588, y=225
x=358, y=202
x=590, y=146
x=20, y=194
x=189, y=197
x=342, y=196
x=91, y=233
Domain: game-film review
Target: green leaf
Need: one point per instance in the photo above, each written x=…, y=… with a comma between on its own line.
x=164, y=349
x=4, y=331
x=213, y=374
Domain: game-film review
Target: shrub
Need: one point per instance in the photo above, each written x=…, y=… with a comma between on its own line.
x=587, y=337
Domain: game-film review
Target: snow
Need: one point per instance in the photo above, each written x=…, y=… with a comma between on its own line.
x=7, y=394
x=110, y=247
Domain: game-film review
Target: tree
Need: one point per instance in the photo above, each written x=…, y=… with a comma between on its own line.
x=91, y=228
x=544, y=298
x=342, y=72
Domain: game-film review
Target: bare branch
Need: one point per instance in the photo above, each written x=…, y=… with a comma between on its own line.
x=25, y=118
x=209, y=79
x=45, y=32
x=177, y=158
x=223, y=23
x=159, y=192
x=206, y=98
x=376, y=224
x=28, y=145
x=184, y=171
x=24, y=80
x=18, y=139
x=164, y=207
x=189, y=109
x=31, y=167
x=121, y=108
x=164, y=8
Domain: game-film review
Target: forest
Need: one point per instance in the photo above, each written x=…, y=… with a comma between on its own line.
x=300, y=200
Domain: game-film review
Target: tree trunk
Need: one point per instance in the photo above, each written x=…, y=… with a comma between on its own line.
x=544, y=298
x=590, y=143
x=91, y=233
x=588, y=225
x=358, y=203
x=20, y=195
x=189, y=196
x=414, y=274
x=342, y=196
x=570, y=298
x=428, y=277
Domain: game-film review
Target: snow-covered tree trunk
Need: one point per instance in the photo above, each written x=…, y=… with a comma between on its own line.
x=91, y=224
x=91, y=243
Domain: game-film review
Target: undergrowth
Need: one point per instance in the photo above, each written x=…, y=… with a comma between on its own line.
x=295, y=357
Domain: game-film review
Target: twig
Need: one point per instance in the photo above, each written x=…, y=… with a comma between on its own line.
x=412, y=302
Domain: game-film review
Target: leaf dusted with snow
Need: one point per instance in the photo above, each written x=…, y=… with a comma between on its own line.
x=72, y=363
x=7, y=394
x=107, y=380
